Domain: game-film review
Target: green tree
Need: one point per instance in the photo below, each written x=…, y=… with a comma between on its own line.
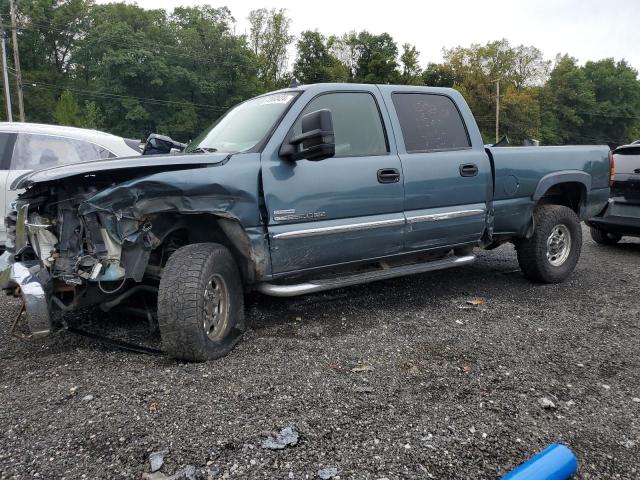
x=440, y=75
x=121, y=61
x=344, y=49
x=520, y=113
x=135, y=71
x=50, y=31
x=366, y=57
x=617, y=94
x=411, y=71
x=182, y=124
x=475, y=70
x=564, y=100
x=269, y=39
x=315, y=62
x=529, y=67
x=48, y=36
x=376, y=58
x=224, y=68
x=145, y=67
x=67, y=111
x=92, y=116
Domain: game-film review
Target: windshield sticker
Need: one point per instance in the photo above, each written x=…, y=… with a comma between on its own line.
x=282, y=98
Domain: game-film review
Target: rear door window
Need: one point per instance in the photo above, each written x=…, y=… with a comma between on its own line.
x=35, y=151
x=430, y=122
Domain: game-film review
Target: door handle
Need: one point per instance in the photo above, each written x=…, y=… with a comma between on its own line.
x=388, y=175
x=468, y=170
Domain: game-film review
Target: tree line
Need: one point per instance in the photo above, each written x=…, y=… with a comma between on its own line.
x=131, y=71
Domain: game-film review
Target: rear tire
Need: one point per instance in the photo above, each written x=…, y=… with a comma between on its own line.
x=552, y=252
x=604, y=238
x=200, y=303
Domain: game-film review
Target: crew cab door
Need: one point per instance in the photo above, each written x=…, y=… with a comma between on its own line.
x=341, y=209
x=447, y=178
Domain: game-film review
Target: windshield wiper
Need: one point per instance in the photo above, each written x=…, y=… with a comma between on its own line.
x=203, y=150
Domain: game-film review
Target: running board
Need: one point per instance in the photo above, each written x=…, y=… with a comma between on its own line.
x=277, y=290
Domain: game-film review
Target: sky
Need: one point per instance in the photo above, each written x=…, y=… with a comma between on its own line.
x=585, y=29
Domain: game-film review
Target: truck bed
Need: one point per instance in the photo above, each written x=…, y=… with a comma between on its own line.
x=520, y=178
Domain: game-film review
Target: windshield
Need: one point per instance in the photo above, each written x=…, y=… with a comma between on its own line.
x=243, y=127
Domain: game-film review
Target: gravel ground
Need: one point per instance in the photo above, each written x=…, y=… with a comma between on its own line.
x=398, y=379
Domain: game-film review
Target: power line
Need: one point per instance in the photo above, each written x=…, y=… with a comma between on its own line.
x=594, y=114
x=37, y=84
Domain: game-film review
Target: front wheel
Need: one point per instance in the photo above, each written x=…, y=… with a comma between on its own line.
x=552, y=252
x=604, y=238
x=200, y=303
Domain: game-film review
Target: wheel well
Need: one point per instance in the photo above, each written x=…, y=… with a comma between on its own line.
x=570, y=194
x=181, y=230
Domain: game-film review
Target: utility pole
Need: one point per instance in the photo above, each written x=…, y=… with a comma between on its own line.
x=5, y=75
x=497, y=110
x=16, y=59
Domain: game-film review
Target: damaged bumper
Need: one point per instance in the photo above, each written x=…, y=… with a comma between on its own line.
x=32, y=282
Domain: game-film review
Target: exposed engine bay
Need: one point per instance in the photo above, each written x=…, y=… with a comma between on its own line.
x=100, y=233
x=78, y=248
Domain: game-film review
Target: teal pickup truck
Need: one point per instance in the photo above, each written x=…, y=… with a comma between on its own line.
x=293, y=192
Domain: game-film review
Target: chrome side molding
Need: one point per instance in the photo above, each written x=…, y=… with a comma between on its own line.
x=293, y=290
x=434, y=217
x=353, y=227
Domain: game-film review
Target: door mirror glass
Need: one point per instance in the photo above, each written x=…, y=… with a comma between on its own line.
x=317, y=140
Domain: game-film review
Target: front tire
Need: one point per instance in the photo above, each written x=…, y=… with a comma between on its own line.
x=552, y=252
x=604, y=238
x=200, y=303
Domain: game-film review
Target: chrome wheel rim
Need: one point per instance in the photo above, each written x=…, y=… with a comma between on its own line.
x=558, y=245
x=216, y=307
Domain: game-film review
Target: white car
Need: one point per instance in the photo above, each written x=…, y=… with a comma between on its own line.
x=32, y=146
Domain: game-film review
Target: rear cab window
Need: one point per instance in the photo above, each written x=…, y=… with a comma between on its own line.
x=36, y=151
x=430, y=122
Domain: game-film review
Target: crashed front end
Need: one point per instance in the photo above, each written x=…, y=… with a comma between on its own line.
x=56, y=255
x=90, y=237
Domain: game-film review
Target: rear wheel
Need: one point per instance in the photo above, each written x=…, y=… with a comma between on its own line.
x=604, y=238
x=200, y=303
x=552, y=252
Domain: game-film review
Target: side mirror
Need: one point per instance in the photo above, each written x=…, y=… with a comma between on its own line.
x=317, y=140
x=161, y=144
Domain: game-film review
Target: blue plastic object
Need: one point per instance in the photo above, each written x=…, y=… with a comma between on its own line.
x=556, y=462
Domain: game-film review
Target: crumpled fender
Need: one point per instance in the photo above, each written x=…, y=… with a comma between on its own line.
x=228, y=190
